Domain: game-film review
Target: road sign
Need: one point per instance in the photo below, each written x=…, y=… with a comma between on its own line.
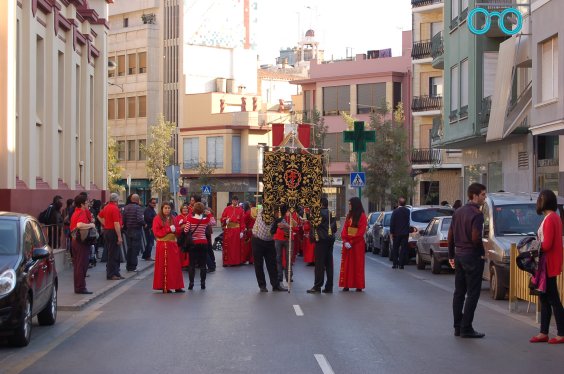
x=358, y=179
x=206, y=190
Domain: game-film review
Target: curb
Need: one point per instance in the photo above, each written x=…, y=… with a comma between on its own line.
x=104, y=291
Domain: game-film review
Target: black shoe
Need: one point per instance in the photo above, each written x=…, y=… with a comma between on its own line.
x=346, y=289
x=133, y=271
x=179, y=290
x=279, y=289
x=314, y=290
x=457, y=331
x=84, y=292
x=191, y=286
x=401, y=266
x=327, y=290
x=394, y=266
x=211, y=270
x=263, y=289
x=472, y=335
x=203, y=287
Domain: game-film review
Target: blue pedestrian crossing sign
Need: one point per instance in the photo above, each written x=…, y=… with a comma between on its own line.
x=206, y=190
x=358, y=179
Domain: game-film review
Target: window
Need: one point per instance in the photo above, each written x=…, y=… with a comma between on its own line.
x=132, y=63
x=131, y=107
x=111, y=71
x=454, y=88
x=142, y=106
x=121, y=150
x=336, y=100
x=436, y=27
x=236, y=154
x=142, y=62
x=454, y=10
x=464, y=4
x=190, y=152
x=126, y=22
x=307, y=102
x=549, y=69
x=488, y=78
x=142, y=153
x=397, y=95
x=121, y=65
x=436, y=86
x=464, y=84
x=215, y=151
x=121, y=108
x=370, y=97
x=111, y=109
x=131, y=150
x=340, y=152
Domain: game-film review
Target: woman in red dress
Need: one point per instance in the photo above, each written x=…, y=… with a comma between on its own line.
x=249, y=220
x=181, y=221
x=80, y=220
x=308, y=245
x=168, y=272
x=352, y=258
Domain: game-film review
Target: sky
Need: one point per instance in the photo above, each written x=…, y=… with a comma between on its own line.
x=360, y=25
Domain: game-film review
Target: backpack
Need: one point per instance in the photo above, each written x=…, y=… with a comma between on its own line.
x=45, y=215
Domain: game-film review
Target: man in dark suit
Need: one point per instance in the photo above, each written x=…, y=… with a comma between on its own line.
x=399, y=232
x=324, y=240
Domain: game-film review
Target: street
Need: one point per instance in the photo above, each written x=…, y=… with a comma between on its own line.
x=402, y=323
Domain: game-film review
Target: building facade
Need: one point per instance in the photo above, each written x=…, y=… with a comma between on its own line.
x=54, y=88
x=436, y=171
x=354, y=87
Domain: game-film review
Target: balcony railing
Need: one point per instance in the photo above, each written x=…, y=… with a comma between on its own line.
x=421, y=50
x=437, y=45
x=425, y=103
x=425, y=156
x=484, y=114
x=418, y=3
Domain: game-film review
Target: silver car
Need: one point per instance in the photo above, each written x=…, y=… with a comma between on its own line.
x=432, y=246
x=381, y=234
x=368, y=234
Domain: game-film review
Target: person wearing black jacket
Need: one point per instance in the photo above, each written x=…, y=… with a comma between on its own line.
x=466, y=257
x=149, y=214
x=399, y=232
x=324, y=240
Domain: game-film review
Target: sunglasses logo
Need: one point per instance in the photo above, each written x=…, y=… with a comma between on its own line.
x=501, y=16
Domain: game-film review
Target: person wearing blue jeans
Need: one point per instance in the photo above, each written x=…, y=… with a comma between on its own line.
x=149, y=214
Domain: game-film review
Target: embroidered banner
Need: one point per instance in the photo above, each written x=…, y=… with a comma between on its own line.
x=293, y=179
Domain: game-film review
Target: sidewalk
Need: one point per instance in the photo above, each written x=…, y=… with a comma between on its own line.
x=95, y=282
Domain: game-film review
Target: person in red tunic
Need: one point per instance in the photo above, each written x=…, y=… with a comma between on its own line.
x=168, y=272
x=233, y=223
x=180, y=221
x=352, y=258
x=308, y=245
x=249, y=221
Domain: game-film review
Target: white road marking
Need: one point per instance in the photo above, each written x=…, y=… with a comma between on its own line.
x=298, y=311
x=323, y=364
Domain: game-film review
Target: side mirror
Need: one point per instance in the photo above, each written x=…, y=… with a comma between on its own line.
x=40, y=254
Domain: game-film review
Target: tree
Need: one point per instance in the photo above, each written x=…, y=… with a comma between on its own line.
x=159, y=153
x=318, y=129
x=114, y=170
x=387, y=163
x=205, y=172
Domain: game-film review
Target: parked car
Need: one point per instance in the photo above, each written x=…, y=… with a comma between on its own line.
x=28, y=277
x=432, y=246
x=419, y=217
x=368, y=234
x=381, y=234
x=508, y=218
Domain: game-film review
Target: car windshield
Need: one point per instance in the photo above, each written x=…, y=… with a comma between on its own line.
x=516, y=219
x=387, y=219
x=373, y=219
x=426, y=215
x=446, y=225
x=8, y=237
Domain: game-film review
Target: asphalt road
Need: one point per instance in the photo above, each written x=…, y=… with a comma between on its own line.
x=401, y=324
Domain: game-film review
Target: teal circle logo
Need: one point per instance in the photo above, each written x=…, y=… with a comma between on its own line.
x=500, y=21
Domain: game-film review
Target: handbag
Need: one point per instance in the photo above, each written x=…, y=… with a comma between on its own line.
x=85, y=236
x=187, y=240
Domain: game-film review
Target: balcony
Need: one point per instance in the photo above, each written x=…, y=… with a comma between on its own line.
x=428, y=156
x=493, y=6
x=425, y=5
x=421, y=50
x=484, y=114
x=426, y=103
x=437, y=51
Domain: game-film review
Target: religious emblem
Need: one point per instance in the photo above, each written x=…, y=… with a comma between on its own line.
x=292, y=178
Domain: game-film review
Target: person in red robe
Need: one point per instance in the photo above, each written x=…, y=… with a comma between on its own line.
x=249, y=221
x=308, y=245
x=352, y=258
x=232, y=220
x=180, y=221
x=168, y=272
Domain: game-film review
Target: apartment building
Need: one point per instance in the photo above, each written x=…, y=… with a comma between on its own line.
x=436, y=171
x=53, y=81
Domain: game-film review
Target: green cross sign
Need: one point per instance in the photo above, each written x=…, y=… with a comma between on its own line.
x=359, y=138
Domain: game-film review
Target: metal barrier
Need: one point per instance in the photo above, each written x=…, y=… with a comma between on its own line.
x=56, y=236
x=519, y=285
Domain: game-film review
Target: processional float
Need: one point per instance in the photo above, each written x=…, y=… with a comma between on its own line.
x=293, y=176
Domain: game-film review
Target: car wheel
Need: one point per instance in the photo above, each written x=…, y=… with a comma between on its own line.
x=435, y=265
x=385, y=250
x=497, y=291
x=419, y=261
x=375, y=249
x=48, y=315
x=22, y=334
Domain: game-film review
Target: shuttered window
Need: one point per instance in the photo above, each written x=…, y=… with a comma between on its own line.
x=488, y=78
x=190, y=153
x=236, y=154
x=454, y=88
x=549, y=69
x=214, y=151
x=464, y=83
